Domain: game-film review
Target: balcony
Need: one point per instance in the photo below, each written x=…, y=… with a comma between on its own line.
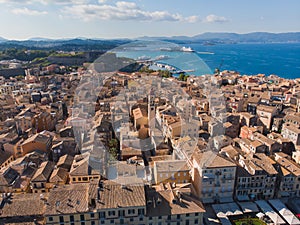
x=218, y=173
x=217, y=184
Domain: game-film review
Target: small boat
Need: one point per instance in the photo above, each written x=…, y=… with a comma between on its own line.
x=166, y=49
x=161, y=57
x=143, y=57
x=206, y=53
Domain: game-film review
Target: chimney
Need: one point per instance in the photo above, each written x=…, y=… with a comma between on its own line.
x=98, y=193
x=101, y=185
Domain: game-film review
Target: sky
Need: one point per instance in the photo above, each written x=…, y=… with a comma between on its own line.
x=24, y=19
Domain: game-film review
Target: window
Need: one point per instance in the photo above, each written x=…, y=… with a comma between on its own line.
x=111, y=213
x=101, y=215
x=82, y=217
x=131, y=211
x=121, y=213
x=112, y=221
x=61, y=219
x=82, y=223
x=50, y=218
x=196, y=221
x=74, y=179
x=92, y=215
x=72, y=218
x=141, y=211
x=93, y=223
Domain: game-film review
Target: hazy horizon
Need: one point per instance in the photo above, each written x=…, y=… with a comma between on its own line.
x=100, y=38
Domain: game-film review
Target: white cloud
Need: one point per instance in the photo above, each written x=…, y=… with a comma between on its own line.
x=192, y=19
x=15, y=1
x=215, y=19
x=122, y=11
x=63, y=2
x=29, y=12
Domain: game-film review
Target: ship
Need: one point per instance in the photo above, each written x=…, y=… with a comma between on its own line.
x=187, y=49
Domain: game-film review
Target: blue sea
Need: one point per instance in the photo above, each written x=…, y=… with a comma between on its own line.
x=276, y=58
x=280, y=59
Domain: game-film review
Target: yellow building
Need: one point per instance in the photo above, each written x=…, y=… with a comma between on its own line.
x=167, y=204
x=265, y=115
x=44, y=121
x=40, y=141
x=171, y=126
x=289, y=176
x=140, y=118
x=24, y=120
x=173, y=171
x=112, y=203
x=26, y=208
x=59, y=176
x=40, y=180
x=213, y=177
x=81, y=171
x=5, y=158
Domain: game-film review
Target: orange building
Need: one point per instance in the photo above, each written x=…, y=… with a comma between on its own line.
x=40, y=141
x=44, y=121
x=173, y=171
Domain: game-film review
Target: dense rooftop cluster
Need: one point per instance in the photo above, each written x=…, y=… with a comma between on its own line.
x=136, y=148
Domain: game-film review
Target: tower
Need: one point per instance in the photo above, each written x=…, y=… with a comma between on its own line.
x=151, y=110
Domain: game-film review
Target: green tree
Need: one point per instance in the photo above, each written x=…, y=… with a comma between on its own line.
x=113, y=148
x=181, y=77
x=185, y=77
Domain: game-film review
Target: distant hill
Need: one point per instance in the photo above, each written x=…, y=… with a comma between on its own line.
x=250, y=37
x=2, y=39
x=210, y=37
x=40, y=39
x=63, y=44
x=86, y=44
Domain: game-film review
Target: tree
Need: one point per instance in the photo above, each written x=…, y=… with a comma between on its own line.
x=185, y=77
x=181, y=77
x=113, y=148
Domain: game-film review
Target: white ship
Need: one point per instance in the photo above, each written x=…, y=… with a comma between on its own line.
x=187, y=49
